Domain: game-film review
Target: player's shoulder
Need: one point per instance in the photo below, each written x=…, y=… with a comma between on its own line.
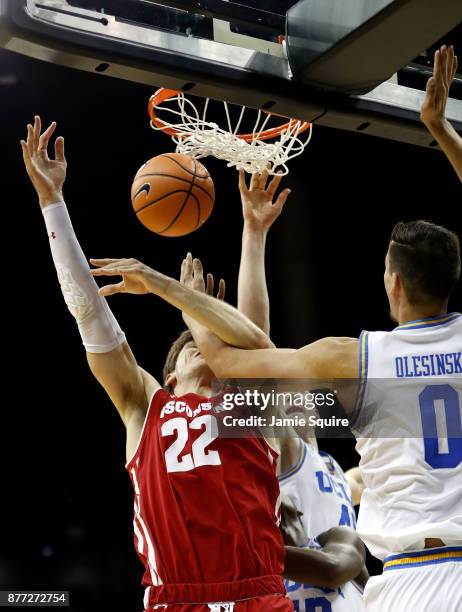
x=443, y=327
x=152, y=386
x=339, y=346
x=449, y=323
x=338, y=355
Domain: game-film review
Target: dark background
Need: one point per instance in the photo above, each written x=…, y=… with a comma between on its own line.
x=66, y=507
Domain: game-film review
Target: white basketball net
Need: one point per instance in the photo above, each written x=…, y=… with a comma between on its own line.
x=200, y=138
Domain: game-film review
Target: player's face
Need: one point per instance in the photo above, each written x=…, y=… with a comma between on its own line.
x=191, y=364
x=390, y=286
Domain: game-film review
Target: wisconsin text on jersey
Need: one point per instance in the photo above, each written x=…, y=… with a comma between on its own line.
x=183, y=408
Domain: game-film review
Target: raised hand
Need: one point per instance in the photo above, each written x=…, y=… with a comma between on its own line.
x=47, y=175
x=434, y=106
x=257, y=200
x=137, y=278
x=192, y=275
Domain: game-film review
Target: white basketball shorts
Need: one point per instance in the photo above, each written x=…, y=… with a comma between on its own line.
x=423, y=581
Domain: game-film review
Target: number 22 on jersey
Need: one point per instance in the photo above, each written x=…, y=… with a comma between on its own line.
x=200, y=454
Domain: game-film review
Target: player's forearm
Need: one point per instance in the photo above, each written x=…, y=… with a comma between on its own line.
x=323, y=568
x=449, y=141
x=98, y=328
x=309, y=567
x=253, y=298
x=231, y=326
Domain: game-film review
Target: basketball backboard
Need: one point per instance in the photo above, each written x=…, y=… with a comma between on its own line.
x=332, y=69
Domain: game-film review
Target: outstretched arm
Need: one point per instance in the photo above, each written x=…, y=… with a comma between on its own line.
x=221, y=318
x=340, y=560
x=259, y=214
x=434, y=107
x=326, y=358
x=108, y=353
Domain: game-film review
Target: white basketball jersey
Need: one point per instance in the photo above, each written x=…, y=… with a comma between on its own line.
x=317, y=486
x=409, y=435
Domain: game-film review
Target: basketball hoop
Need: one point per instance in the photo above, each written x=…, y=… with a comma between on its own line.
x=263, y=147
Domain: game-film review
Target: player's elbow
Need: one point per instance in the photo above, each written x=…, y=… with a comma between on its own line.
x=261, y=340
x=225, y=363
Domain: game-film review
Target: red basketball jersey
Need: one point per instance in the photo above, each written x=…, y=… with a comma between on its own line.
x=206, y=507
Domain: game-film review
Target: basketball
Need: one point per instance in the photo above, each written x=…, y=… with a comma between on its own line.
x=173, y=194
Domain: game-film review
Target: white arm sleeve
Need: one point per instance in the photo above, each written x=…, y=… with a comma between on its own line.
x=97, y=325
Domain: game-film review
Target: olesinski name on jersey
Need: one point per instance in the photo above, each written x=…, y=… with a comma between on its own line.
x=440, y=364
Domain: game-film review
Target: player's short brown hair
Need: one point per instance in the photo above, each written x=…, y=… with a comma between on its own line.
x=172, y=356
x=427, y=257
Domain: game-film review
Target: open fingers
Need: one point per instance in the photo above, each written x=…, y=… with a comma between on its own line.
x=210, y=288
x=182, y=272
x=44, y=139
x=119, y=267
x=198, y=269
x=437, y=66
x=282, y=199
x=264, y=178
x=443, y=71
x=449, y=64
x=242, y=181
x=117, y=270
x=30, y=139
x=453, y=65
x=445, y=60
x=187, y=269
x=198, y=276
x=106, y=272
x=259, y=180
x=221, y=290
x=101, y=263
x=273, y=186
x=255, y=181
x=431, y=85
x=112, y=289
x=36, y=132
x=59, y=149
x=25, y=155
x=210, y=284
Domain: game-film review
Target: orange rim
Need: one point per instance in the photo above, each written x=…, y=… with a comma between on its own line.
x=161, y=95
